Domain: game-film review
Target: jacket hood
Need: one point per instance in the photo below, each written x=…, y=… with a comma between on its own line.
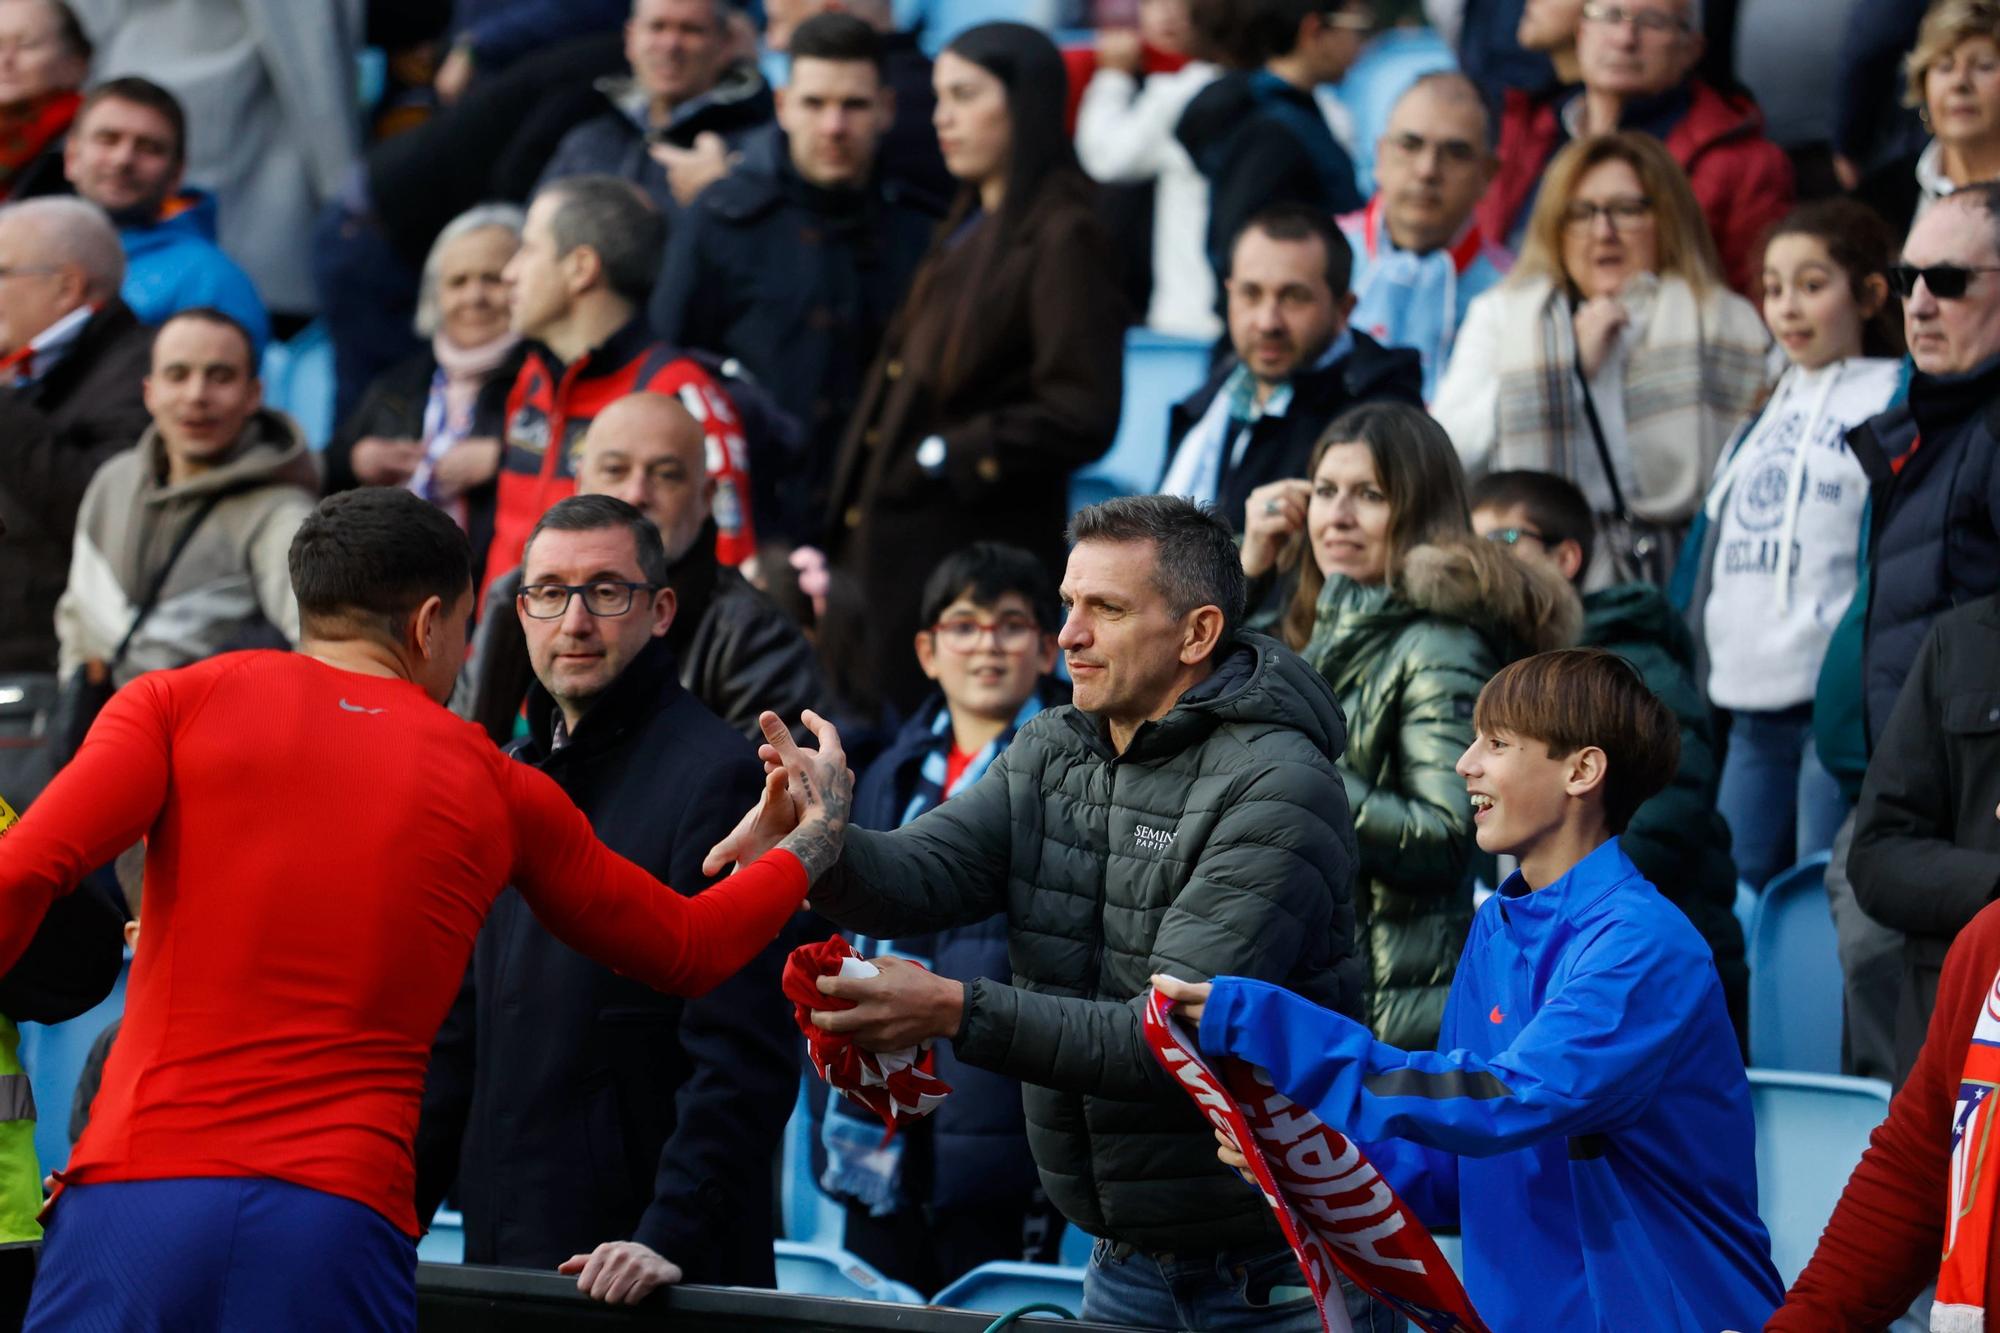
x=191, y=213
x=1715, y=117
x=1259, y=681
x=1637, y=612
x=740, y=98
x=271, y=451
x=1523, y=608
x=1216, y=113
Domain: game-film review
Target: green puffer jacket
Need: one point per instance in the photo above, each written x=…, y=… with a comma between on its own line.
x=1218, y=842
x=1678, y=839
x=1407, y=660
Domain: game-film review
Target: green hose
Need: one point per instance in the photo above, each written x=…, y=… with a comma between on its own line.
x=1040, y=1307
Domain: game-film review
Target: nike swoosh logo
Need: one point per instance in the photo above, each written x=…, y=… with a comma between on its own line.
x=357, y=708
x=1496, y=1016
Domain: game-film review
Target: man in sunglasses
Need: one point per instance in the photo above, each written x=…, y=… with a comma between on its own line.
x=592, y=1124
x=1934, y=523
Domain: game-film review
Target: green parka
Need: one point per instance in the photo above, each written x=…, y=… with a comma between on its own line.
x=1407, y=660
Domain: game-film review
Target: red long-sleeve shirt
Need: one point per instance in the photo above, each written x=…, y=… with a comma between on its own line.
x=322, y=847
x=1882, y=1245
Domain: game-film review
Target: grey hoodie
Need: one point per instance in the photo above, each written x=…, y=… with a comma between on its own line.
x=231, y=585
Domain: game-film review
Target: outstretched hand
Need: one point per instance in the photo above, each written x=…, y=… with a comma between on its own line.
x=1189, y=997
x=807, y=797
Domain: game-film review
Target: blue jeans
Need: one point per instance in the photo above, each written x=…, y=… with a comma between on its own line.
x=1780, y=804
x=1214, y=1292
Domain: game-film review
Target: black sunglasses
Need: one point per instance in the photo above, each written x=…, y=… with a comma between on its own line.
x=1946, y=281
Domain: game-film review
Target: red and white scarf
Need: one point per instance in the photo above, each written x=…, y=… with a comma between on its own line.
x=1335, y=1209
x=898, y=1086
x=1973, y=1187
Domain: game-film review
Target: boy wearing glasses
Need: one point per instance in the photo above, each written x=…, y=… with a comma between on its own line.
x=956, y=1189
x=1585, y=1119
x=1677, y=839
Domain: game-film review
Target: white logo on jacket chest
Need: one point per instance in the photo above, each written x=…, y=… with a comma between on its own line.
x=1149, y=839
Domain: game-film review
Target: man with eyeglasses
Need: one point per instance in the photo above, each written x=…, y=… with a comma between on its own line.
x=1637, y=61
x=593, y=1125
x=1419, y=257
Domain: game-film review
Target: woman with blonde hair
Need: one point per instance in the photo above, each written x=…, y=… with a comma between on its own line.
x=1952, y=78
x=1614, y=355
x=1407, y=614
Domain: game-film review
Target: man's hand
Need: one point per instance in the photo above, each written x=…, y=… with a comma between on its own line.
x=1121, y=49
x=620, y=1272
x=807, y=797
x=467, y=465
x=692, y=170
x=903, y=1005
x=454, y=76
x=1189, y=997
x=1225, y=1149
x=376, y=461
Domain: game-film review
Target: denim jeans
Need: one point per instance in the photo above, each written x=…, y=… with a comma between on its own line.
x=1780, y=804
x=1214, y=1292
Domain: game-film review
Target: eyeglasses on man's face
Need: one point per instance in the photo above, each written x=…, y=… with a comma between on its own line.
x=1627, y=214
x=1947, y=282
x=1011, y=634
x=606, y=597
x=1451, y=152
x=1649, y=22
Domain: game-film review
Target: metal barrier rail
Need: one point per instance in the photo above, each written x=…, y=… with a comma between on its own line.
x=457, y=1298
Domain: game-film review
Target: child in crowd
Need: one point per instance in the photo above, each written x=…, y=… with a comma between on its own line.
x=1783, y=530
x=958, y=1188
x=1677, y=839
x=1585, y=1119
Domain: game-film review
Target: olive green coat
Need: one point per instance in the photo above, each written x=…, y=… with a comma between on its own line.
x=1407, y=660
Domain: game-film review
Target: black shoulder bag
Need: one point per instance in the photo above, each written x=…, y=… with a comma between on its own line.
x=1637, y=553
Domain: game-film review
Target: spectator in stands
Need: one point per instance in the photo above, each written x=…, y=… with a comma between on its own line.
x=796, y=261
x=1953, y=78
x=271, y=98
x=737, y=652
x=1637, y=60
x=410, y=426
x=1871, y=123
x=1676, y=838
x=956, y=1189
x=44, y=59
x=208, y=501
x=1158, y=42
x=670, y=128
x=1419, y=257
x=1584, y=1118
x=1125, y=136
x=1782, y=527
x=1406, y=615
x=577, y=288
x=1226, y=845
x=1259, y=135
x=1495, y=50
x=1003, y=371
x=71, y=360
x=126, y=153
x=1613, y=355
x=1246, y=436
x=489, y=35
x=663, y=1169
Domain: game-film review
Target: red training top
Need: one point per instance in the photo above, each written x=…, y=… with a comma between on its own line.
x=322, y=848
x=1881, y=1246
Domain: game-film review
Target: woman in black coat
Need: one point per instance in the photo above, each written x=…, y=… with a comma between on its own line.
x=1003, y=372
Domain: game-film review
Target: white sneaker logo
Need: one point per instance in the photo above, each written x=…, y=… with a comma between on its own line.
x=1154, y=839
x=357, y=708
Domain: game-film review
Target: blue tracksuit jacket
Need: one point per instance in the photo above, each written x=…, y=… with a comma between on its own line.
x=1585, y=1122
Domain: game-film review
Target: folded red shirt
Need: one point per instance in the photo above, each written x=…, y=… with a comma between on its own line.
x=899, y=1086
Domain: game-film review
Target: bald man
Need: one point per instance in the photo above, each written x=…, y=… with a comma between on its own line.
x=735, y=650
x=1419, y=256
x=72, y=362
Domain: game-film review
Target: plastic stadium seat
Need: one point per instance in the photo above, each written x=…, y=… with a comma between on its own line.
x=809, y=1215
x=825, y=1270
x=1159, y=372
x=944, y=19
x=1746, y=908
x=1007, y=1285
x=1811, y=1129
x=53, y=1057
x=1795, y=992
x=298, y=380
x=444, y=1243
x=1076, y=1246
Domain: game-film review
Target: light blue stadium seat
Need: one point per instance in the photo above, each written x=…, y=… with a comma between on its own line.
x=1746, y=908
x=53, y=1057
x=944, y=19
x=1811, y=1129
x=1795, y=991
x=1076, y=1246
x=1007, y=1285
x=809, y=1215
x=444, y=1243
x=1159, y=372
x=826, y=1270
x=298, y=380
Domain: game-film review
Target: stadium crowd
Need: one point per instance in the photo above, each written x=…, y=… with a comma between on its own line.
x=1587, y=510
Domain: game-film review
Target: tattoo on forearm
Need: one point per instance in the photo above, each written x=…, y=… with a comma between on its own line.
x=817, y=841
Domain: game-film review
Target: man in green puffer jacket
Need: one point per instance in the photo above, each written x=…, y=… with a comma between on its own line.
x=1184, y=816
x=1678, y=839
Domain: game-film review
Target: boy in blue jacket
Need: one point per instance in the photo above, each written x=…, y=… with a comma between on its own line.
x=1585, y=1120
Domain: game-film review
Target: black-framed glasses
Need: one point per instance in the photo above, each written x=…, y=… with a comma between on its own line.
x=1626, y=214
x=1451, y=152
x=1946, y=281
x=606, y=597
x=1011, y=634
x=1513, y=536
x=1651, y=22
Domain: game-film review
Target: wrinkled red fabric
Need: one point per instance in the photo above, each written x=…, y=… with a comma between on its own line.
x=898, y=1086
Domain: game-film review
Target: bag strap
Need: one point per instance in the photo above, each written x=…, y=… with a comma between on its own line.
x=159, y=581
x=1603, y=449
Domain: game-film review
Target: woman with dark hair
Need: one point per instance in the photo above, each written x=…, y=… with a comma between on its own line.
x=1406, y=613
x=1003, y=371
